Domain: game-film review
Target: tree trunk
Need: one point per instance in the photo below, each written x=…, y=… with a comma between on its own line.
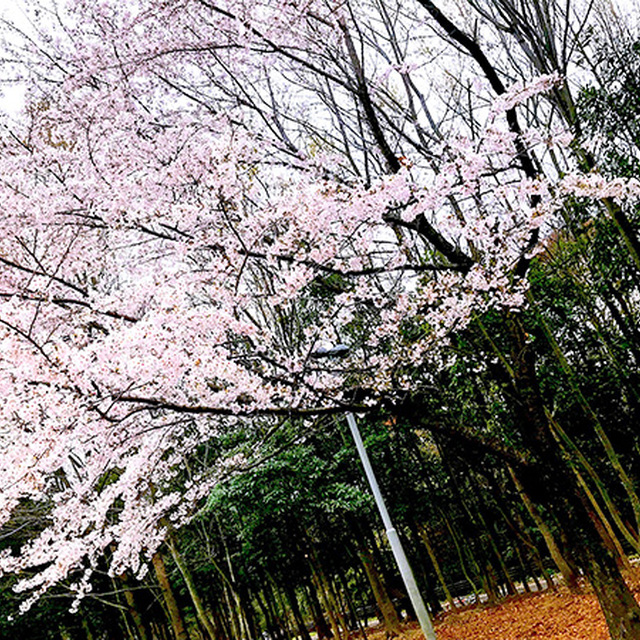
x=246, y=613
x=133, y=609
x=201, y=613
x=436, y=565
x=159, y=630
x=567, y=444
x=549, y=481
x=292, y=599
x=175, y=616
x=323, y=591
x=591, y=415
x=123, y=611
x=618, y=604
x=569, y=576
x=383, y=600
x=87, y=629
x=262, y=598
x=320, y=623
x=461, y=559
x=354, y=620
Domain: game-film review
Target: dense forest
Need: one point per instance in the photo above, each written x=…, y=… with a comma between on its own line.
x=202, y=199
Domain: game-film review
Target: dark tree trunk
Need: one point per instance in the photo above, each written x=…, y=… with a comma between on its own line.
x=133, y=610
x=297, y=614
x=383, y=600
x=319, y=621
x=175, y=616
x=549, y=482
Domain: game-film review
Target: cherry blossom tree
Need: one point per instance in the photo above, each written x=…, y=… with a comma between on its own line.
x=199, y=196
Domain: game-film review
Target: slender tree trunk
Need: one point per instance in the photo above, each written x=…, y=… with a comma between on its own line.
x=175, y=616
x=436, y=565
x=133, y=609
x=322, y=588
x=474, y=527
x=286, y=616
x=201, y=613
x=607, y=532
x=380, y=593
x=267, y=612
x=490, y=584
x=233, y=618
x=246, y=612
x=353, y=614
x=528, y=554
x=278, y=626
x=159, y=630
x=123, y=612
x=522, y=569
x=550, y=481
x=488, y=535
x=612, y=455
x=219, y=619
x=292, y=599
x=567, y=444
x=87, y=629
x=326, y=605
x=320, y=622
x=461, y=559
x=617, y=602
x=336, y=604
x=569, y=576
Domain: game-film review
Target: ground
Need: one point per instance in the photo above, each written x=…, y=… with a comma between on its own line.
x=550, y=615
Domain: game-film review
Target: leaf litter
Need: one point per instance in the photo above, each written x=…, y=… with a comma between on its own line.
x=557, y=614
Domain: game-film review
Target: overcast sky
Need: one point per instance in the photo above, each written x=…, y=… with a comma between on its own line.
x=12, y=98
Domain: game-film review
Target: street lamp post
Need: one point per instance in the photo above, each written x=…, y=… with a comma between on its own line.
x=392, y=535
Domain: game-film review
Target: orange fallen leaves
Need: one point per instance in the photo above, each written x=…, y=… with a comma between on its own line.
x=558, y=615
x=550, y=615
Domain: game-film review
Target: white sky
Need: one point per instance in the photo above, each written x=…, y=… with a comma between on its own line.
x=12, y=98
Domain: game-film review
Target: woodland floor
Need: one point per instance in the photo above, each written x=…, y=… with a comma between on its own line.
x=549, y=615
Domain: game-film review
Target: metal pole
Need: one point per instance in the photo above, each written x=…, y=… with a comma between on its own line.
x=392, y=535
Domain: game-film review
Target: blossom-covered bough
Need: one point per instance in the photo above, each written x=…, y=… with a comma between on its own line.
x=206, y=194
